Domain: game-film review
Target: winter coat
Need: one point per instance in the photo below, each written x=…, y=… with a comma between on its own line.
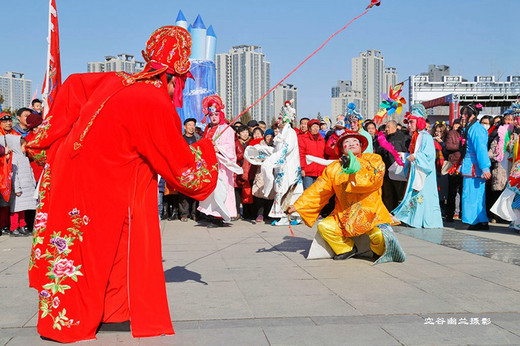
x=330, y=147
x=23, y=178
x=311, y=146
x=452, y=143
x=240, y=148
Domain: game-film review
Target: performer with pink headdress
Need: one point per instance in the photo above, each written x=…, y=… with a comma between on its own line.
x=220, y=206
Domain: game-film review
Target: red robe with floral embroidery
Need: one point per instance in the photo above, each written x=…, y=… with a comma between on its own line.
x=96, y=253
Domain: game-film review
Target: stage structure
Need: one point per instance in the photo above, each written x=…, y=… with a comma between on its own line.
x=204, y=45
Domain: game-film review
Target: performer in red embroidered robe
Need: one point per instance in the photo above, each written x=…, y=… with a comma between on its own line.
x=96, y=253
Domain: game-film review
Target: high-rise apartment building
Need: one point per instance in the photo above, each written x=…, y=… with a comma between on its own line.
x=123, y=62
x=436, y=73
x=368, y=78
x=390, y=79
x=16, y=90
x=243, y=76
x=343, y=94
x=283, y=92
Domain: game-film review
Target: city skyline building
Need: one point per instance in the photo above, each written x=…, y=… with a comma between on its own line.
x=389, y=79
x=341, y=95
x=371, y=79
x=122, y=63
x=283, y=92
x=243, y=76
x=367, y=77
x=16, y=90
x=437, y=72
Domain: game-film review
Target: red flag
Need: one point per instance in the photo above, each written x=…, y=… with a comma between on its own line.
x=52, y=80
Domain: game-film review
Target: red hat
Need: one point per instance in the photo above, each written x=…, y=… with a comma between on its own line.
x=313, y=122
x=351, y=134
x=34, y=120
x=167, y=50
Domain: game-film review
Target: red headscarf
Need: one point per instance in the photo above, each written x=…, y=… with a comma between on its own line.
x=167, y=50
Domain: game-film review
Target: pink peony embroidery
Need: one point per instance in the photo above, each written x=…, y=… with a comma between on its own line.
x=64, y=267
x=55, y=302
x=37, y=253
x=40, y=220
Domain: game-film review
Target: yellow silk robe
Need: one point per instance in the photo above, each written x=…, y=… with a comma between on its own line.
x=359, y=206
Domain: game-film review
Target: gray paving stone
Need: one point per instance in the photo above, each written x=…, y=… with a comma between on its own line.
x=393, y=297
x=251, y=285
x=293, y=306
x=217, y=300
x=17, y=306
x=473, y=294
x=216, y=337
x=421, y=334
x=367, y=319
x=329, y=335
x=258, y=322
x=269, y=288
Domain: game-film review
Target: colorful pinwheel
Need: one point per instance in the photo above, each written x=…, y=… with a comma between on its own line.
x=392, y=103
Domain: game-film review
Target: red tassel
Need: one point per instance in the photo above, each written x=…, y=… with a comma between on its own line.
x=290, y=229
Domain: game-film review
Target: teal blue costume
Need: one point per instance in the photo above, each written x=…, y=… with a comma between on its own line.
x=475, y=163
x=420, y=205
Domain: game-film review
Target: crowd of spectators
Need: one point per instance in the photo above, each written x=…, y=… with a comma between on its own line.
x=18, y=175
x=317, y=137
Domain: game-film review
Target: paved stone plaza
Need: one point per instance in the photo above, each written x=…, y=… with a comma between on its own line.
x=251, y=285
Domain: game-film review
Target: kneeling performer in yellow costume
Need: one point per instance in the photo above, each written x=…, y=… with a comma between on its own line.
x=356, y=181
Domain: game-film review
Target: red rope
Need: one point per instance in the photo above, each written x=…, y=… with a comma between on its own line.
x=294, y=70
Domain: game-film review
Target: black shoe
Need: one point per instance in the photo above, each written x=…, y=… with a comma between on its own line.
x=449, y=219
x=5, y=231
x=481, y=226
x=27, y=230
x=346, y=255
x=216, y=222
x=18, y=233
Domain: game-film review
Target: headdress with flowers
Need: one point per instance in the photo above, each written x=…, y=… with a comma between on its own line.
x=167, y=50
x=213, y=103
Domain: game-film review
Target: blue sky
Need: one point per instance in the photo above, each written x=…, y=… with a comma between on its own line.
x=473, y=37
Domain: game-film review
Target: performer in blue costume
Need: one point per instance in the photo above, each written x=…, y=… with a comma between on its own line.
x=420, y=205
x=474, y=170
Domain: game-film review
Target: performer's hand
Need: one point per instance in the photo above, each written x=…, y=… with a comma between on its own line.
x=18, y=194
x=345, y=161
x=290, y=210
x=486, y=175
x=216, y=149
x=7, y=150
x=303, y=173
x=411, y=158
